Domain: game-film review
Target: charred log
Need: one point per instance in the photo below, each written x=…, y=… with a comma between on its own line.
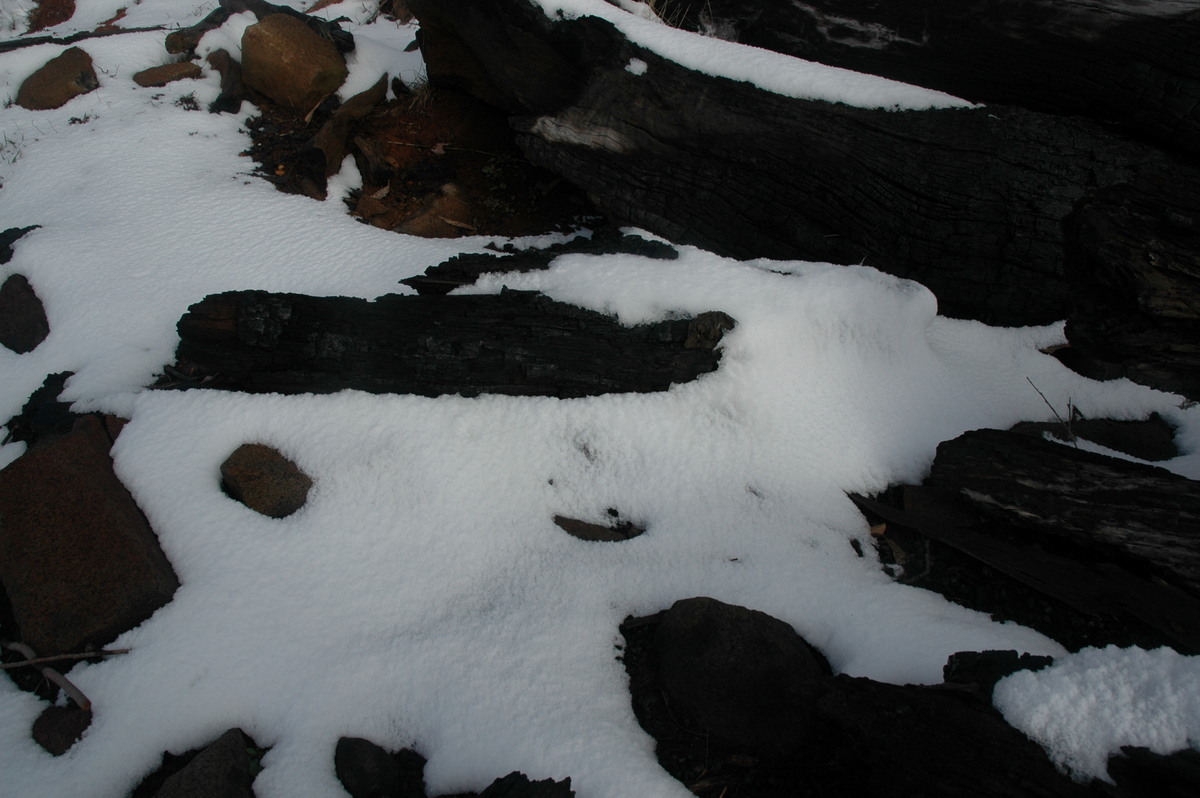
x=517, y=343
x=968, y=202
x=1138, y=65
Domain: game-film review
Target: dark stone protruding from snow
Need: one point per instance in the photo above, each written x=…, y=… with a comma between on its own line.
x=981, y=670
x=168, y=73
x=1140, y=771
x=23, y=322
x=57, y=729
x=78, y=560
x=518, y=785
x=863, y=737
x=1136, y=65
x=617, y=529
x=740, y=675
x=233, y=90
x=43, y=414
x=516, y=343
x=330, y=30
x=9, y=237
x=264, y=480
x=365, y=769
x=220, y=769
x=969, y=202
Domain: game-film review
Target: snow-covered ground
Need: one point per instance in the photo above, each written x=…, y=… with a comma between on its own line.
x=423, y=597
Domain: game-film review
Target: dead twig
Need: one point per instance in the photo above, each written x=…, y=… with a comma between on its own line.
x=1070, y=412
x=62, y=657
x=76, y=695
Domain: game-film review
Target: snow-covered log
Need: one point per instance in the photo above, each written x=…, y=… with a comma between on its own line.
x=968, y=201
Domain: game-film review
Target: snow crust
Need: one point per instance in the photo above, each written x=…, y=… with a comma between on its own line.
x=423, y=597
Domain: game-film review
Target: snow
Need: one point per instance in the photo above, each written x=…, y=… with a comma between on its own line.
x=423, y=597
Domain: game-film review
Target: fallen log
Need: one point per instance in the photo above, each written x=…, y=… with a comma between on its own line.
x=969, y=202
x=1135, y=64
x=1133, y=260
x=1138, y=516
x=517, y=343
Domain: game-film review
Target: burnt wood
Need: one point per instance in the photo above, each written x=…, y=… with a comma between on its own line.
x=518, y=343
x=1137, y=64
x=1138, y=516
x=969, y=202
x=1133, y=261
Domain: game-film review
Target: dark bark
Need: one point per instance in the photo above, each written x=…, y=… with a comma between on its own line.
x=517, y=343
x=968, y=202
x=1136, y=64
x=1133, y=260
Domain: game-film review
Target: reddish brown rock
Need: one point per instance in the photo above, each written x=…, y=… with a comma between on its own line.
x=285, y=60
x=57, y=729
x=168, y=73
x=23, y=323
x=60, y=80
x=77, y=557
x=264, y=480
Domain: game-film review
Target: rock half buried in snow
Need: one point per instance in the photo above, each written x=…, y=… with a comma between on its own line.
x=285, y=60
x=167, y=73
x=222, y=768
x=59, y=81
x=264, y=480
x=517, y=343
x=77, y=557
x=615, y=530
x=23, y=322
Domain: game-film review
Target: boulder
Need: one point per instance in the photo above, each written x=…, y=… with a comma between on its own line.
x=366, y=770
x=77, y=557
x=57, y=729
x=58, y=81
x=23, y=322
x=518, y=785
x=168, y=73
x=739, y=675
x=264, y=480
x=283, y=59
x=221, y=769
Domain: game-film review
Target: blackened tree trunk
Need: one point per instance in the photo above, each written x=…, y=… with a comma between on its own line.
x=969, y=202
x=1134, y=63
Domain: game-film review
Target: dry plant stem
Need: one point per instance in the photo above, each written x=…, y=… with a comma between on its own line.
x=61, y=657
x=1070, y=412
x=76, y=695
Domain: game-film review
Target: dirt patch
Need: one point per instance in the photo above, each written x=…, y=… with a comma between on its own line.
x=431, y=153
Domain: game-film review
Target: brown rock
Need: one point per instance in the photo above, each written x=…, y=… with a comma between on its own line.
x=614, y=531
x=221, y=769
x=285, y=60
x=445, y=215
x=167, y=73
x=59, y=728
x=264, y=480
x=77, y=557
x=58, y=81
x=331, y=138
x=23, y=323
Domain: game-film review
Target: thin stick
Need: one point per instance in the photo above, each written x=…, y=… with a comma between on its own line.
x=1066, y=426
x=76, y=695
x=60, y=657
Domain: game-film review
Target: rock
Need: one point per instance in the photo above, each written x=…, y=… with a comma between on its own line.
x=59, y=728
x=980, y=670
x=740, y=675
x=1140, y=771
x=233, y=88
x=222, y=770
x=23, y=322
x=60, y=80
x=1151, y=439
x=9, y=237
x=615, y=530
x=43, y=414
x=264, y=480
x=331, y=138
x=289, y=63
x=168, y=73
x=77, y=557
x=518, y=785
x=185, y=40
x=445, y=215
x=368, y=771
